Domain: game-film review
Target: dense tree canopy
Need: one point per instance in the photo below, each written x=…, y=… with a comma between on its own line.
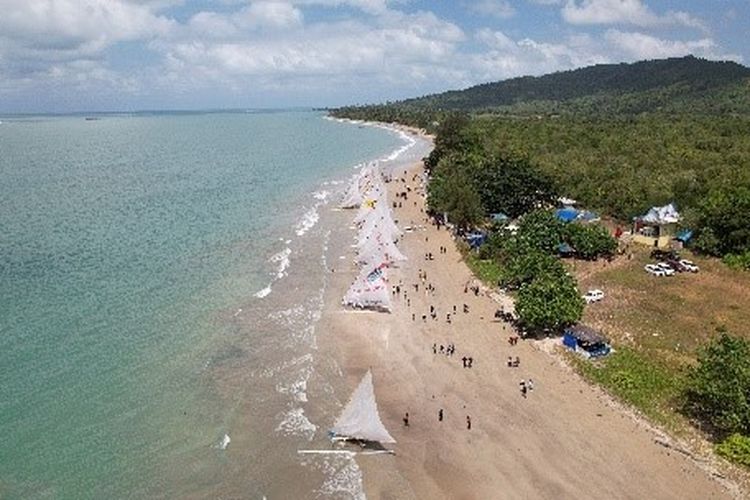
x=512, y=186
x=549, y=303
x=590, y=241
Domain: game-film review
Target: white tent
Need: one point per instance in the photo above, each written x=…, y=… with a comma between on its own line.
x=667, y=214
x=360, y=418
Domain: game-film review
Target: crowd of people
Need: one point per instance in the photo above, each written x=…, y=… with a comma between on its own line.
x=430, y=312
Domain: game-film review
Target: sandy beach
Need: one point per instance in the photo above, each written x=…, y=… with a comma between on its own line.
x=564, y=440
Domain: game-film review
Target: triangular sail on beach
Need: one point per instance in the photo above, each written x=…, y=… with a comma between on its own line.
x=360, y=418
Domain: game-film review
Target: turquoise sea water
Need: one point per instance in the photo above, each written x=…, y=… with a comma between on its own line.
x=125, y=244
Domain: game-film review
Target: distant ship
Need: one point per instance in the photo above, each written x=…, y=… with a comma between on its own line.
x=91, y=118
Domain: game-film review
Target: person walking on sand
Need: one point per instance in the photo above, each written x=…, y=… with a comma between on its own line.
x=463, y=360
x=468, y=422
x=530, y=385
x=434, y=348
x=406, y=419
x=524, y=388
x=470, y=362
x=440, y=415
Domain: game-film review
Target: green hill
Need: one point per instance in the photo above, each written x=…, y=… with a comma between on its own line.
x=676, y=85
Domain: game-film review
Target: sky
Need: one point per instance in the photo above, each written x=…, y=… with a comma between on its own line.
x=126, y=55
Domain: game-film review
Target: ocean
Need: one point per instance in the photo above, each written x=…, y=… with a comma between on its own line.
x=161, y=276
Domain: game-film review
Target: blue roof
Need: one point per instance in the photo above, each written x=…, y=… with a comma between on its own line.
x=566, y=214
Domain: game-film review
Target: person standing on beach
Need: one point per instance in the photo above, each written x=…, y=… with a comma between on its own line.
x=468, y=422
x=440, y=415
x=463, y=360
x=406, y=419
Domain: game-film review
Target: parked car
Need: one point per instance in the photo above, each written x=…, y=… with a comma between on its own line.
x=689, y=265
x=666, y=268
x=677, y=266
x=659, y=254
x=593, y=296
x=655, y=270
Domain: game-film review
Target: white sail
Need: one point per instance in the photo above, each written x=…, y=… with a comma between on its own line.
x=360, y=418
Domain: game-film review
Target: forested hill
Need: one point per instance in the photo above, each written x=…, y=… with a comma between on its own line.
x=676, y=85
x=689, y=73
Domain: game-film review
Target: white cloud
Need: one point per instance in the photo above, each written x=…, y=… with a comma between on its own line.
x=266, y=14
x=501, y=9
x=66, y=24
x=634, y=46
x=369, y=50
x=633, y=12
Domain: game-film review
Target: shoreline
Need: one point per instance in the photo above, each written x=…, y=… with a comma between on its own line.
x=557, y=442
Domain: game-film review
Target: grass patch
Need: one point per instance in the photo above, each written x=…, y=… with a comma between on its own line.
x=488, y=271
x=635, y=379
x=735, y=448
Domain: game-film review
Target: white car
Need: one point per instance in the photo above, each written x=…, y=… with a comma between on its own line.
x=593, y=296
x=655, y=270
x=689, y=265
x=666, y=268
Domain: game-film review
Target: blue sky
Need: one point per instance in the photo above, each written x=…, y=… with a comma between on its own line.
x=86, y=55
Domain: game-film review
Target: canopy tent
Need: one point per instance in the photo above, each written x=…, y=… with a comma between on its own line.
x=360, y=418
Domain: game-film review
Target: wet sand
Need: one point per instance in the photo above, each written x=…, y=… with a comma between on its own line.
x=565, y=440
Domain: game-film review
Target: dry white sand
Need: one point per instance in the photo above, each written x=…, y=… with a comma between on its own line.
x=562, y=441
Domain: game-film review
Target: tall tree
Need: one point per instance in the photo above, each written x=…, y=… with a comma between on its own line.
x=549, y=303
x=719, y=390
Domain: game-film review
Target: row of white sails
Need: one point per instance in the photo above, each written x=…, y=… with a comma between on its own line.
x=377, y=234
x=376, y=250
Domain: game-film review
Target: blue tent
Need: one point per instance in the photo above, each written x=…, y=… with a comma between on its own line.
x=685, y=235
x=565, y=249
x=567, y=214
x=476, y=240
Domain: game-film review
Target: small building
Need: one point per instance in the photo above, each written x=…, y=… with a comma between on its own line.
x=586, y=341
x=657, y=228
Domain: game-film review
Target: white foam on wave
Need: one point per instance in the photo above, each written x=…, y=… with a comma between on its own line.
x=343, y=476
x=321, y=195
x=409, y=143
x=263, y=293
x=282, y=259
x=225, y=442
x=294, y=423
x=307, y=221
